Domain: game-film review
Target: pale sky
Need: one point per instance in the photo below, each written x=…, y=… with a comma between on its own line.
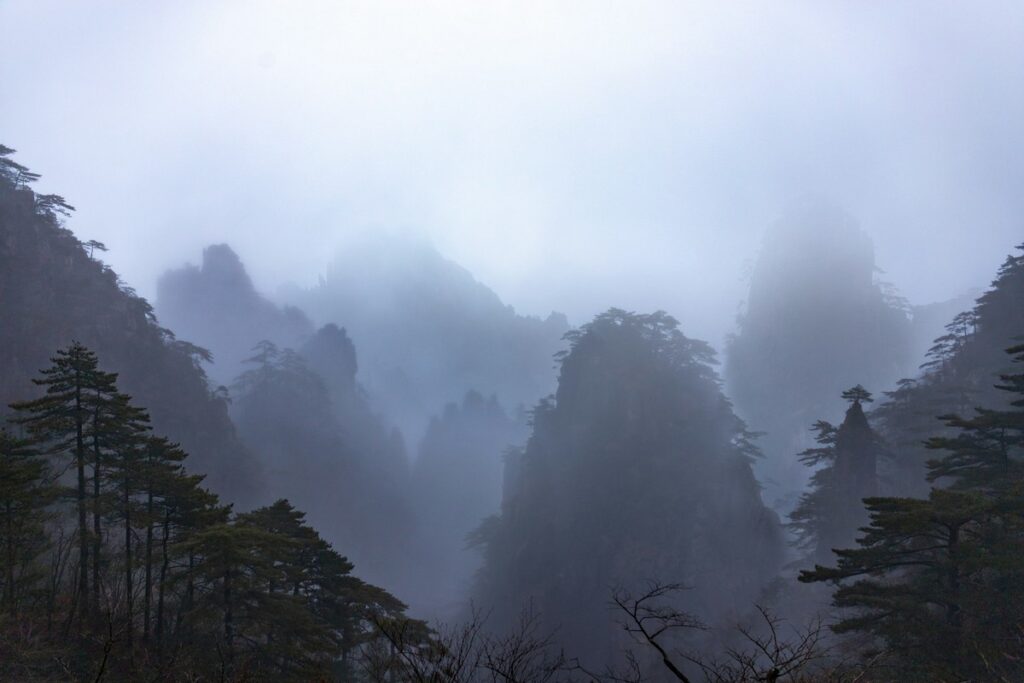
x=573, y=156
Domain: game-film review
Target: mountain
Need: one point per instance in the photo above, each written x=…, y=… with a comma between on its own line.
x=831, y=513
x=217, y=305
x=817, y=321
x=456, y=483
x=428, y=332
x=962, y=368
x=929, y=320
x=637, y=470
x=306, y=419
x=54, y=289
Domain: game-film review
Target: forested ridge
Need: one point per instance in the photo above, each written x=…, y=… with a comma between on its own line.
x=277, y=524
x=56, y=288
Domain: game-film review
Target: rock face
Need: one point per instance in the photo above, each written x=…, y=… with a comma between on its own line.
x=456, y=484
x=54, y=289
x=428, y=332
x=216, y=306
x=307, y=420
x=638, y=470
x=816, y=321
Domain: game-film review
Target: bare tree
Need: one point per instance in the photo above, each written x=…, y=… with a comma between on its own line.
x=650, y=619
x=770, y=651
x=768, y=654
x=526, y=655
x=405, y=652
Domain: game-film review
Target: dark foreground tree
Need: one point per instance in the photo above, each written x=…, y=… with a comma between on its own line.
x=58, y=423
x=829, y=515
x=939, y=581
x=26, y=494
x=185, y=589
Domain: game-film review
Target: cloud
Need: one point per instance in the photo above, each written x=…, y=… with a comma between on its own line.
x=572, y=155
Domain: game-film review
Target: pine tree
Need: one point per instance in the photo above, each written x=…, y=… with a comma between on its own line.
x=956, y=377
x=984, y=453
x=101, y=433
x=296, y=642
x=270, y=594
x=264, y=625
x=58, y=421
x=939, y=580
x=829, y=515
x=128, y=444
x=912, y=579
x=188, y=509
x=314, y=576
x=26, y=492
x=161, y=471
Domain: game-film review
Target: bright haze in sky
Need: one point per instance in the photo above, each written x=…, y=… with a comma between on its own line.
x=573, y=156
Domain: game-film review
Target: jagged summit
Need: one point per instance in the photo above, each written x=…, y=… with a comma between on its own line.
x=817, y=320
x=428, y=331
x=217, y=306
x=55, y=290
x=222, y=266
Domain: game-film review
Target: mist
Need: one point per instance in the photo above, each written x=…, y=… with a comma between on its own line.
x=390, y=342
x=569, y=157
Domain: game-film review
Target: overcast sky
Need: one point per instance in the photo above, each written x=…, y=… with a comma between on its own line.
x=573, y=156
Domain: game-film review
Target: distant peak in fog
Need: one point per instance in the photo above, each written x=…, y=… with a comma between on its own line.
x=216, y=306
x=428, y=331
x=814, y=242
x=404, y=265
x=222, y=265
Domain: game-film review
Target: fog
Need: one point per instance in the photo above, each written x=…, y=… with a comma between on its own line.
x=570, y=156
x=389, y=312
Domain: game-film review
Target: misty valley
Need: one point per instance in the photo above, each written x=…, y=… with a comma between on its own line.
x=461, y=341
x=392, y=476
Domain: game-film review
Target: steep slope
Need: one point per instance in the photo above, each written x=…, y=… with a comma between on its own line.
x=832, y=512
x=323, y=449
x=817, y=321
x=301, y=410
x=217, y=306
x=428, y=332
x=456, y=483
x=961, y=371
x=929, y=320
x=637, y=470
x=54, y=290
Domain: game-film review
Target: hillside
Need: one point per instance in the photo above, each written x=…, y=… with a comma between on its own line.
x=54, y=289
x=217, y=305
x=428, y=331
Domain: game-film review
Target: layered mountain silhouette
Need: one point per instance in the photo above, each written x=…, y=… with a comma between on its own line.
x=54, y=289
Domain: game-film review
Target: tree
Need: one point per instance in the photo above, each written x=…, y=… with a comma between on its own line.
x=956, y=378
x=12, y=171
x=984, y=452
x=637, y=467
x=128, y=444
x=161, y=472
x=294, y=641
x=114, y=433
x=913, y=574
x=58, y=422
x=188, y=509
x=319, y=614
x=938, y=580
x=26, y=492
x=816, y=318
x=830, y=513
